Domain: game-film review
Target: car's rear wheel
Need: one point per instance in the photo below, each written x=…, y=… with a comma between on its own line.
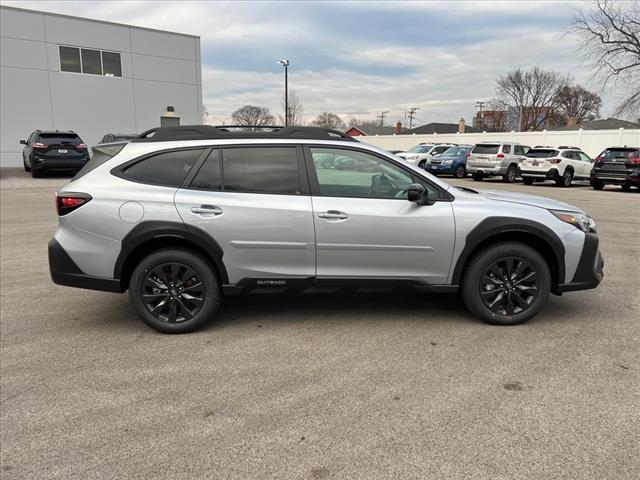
x=528, y=180
x=478, y=176
x=35, y=173
x=626, y=187
x=460, y=172
x=507, y=283
x=174, y=290
x=511, y=174
x=566, y=179
x=597, y=184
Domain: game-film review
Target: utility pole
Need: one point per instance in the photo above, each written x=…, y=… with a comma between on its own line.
x=412, y=114
x=285, y=64
x=382, y=117
x=480, y=106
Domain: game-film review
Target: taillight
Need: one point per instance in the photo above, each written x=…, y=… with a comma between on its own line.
x=556, y=160
x=598, y=160
x=81, y=146
x=500, y=156
x=634, y=160
x=468, y=156
x=67, y=202
x=40, y=145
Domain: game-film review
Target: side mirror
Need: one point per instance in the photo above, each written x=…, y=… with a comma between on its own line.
x=416, y=193
x=23, y=142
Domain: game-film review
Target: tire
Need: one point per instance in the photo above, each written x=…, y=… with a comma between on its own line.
x=477, y=176
x=597, y=184
x=24, y=164
x=35, y=173
x=161, y=276
x=511, y=174
x=477, y=285
x=626, y=187
x=460, y=171
x=528, y=180
x=565, y=180
x=422, y=164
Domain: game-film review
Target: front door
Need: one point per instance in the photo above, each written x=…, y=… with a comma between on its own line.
x=365, y=226
x=253, y=203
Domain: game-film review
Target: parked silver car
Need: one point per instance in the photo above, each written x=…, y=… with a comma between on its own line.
x=496, y=159
x=184, y=215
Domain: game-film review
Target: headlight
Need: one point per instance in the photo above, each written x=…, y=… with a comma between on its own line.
x=447, y=162
x=578, y=220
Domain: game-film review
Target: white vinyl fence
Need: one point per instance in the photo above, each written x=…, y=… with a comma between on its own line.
x=592, y=142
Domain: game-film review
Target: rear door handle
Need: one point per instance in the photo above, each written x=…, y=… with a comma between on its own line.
x=206, y=210
x=333, y=215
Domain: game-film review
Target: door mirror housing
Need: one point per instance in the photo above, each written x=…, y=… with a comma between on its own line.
x=416, y=193
x=23, y=142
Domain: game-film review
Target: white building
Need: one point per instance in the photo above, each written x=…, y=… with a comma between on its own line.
x=69, y=73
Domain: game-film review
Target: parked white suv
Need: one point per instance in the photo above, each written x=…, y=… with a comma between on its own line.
x=561, y=164
x=496, y=158
x=419, y=154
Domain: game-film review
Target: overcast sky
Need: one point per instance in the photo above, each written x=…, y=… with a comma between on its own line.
x=358, y=58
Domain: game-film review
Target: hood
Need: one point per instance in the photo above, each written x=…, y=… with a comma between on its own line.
x=525, y=199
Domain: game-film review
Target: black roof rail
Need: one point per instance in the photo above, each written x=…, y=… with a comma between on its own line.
x=569, y=147
x=219, y=132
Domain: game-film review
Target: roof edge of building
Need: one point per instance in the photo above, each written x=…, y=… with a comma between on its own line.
x=76, y=17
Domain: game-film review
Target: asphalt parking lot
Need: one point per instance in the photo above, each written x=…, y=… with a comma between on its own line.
x=317, y=386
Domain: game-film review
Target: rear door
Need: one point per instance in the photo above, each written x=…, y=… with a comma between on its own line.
x=254, y=202
x=366, y=229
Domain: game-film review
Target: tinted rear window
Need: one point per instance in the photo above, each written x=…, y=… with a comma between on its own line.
x=167, y=169
x=610, y=153
x=261, y=170
x=59, y=138
x=542, y=153
x=486, y=149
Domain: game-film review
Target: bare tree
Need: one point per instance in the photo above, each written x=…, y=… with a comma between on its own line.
x=494, y=117
x=577, y=102
x=296, y=111
x=252, y=116
x=610, y=31
x=358, y=122
x=533, y=93
x=329, y=120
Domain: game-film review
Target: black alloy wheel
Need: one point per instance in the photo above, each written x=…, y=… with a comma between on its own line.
x=173, y=292
x=510, y=286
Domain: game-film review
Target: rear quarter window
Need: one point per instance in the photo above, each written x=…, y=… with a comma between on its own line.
x=166, y=169
x=100, y=155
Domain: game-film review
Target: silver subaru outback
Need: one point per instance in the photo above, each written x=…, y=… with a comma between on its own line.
x=182, y=216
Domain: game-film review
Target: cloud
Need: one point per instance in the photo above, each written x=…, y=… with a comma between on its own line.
x=358, y=58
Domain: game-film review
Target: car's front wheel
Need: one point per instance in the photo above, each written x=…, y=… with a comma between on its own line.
x=528, y=180
x=597, y=184
x=174, y=290
x=506, y=283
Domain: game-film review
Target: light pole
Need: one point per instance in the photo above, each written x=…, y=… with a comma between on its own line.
x=285, y=64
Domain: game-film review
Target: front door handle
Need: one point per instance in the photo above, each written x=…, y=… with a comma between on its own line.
x=333, y=215
x=206, y=210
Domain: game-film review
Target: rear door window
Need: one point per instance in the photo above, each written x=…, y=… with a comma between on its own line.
x=261, y=170
x=486, y=149
x=506, y=149
x=167, y=169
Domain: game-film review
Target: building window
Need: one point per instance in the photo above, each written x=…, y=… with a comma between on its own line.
x=111, y=65
x=89, y=61
x=70, y=59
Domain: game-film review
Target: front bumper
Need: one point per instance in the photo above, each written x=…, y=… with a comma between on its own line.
x=440, y=168
x=64, y=271
x=589, y=273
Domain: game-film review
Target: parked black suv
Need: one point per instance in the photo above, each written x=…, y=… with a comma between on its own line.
x=617, y=166
x=49, y=150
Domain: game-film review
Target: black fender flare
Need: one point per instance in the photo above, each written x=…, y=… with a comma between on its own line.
x=158, y=230
x=494, y=226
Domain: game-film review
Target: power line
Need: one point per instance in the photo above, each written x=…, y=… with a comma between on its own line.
x=412, y=114
x=480, y=105
x=382, y=117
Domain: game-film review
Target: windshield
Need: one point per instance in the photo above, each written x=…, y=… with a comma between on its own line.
x=542, y=153
x=60, y=139
x=420, y=149
x=456, y=151
x=486, y=149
